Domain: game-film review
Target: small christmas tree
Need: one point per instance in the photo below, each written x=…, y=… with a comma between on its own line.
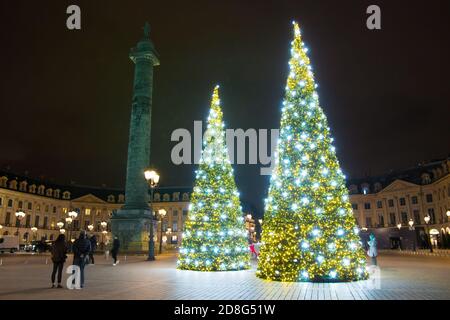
x=309, y=231
x=215, y=238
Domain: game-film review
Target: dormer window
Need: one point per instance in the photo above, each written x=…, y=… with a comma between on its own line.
x=166, y=197
x=13, y=184
x=41, y=189
x=365, y=188
x=23, y=186
x=185, y=196
x=176, y=196
x=121, y=198
x=49, y=192
x=66, y=195
x=56, y=193
x=111, y=198
x=32, y=188
x=426, y=179
x=157, y=197
x=3, y=181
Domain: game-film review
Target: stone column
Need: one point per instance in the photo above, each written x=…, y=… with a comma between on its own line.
x=131, y=223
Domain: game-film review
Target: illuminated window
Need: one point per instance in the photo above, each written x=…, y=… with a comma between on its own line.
x=87, y=211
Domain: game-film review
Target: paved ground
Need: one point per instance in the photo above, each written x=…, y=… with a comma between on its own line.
x=402, y=277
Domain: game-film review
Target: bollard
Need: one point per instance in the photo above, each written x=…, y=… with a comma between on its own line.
x=1, y=262
x=125, y=258
x=46, y=260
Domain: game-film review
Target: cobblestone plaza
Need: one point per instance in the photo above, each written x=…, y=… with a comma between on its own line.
x=402, y=277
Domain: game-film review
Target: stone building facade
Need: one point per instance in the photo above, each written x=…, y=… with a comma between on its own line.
x=380, y=204
x=384, y=205
x=46, y=204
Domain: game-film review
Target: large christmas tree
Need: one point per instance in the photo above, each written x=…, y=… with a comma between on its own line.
x=215, y=238
x=309, y=232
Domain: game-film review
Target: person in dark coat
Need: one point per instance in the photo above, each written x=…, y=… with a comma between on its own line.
x=81, y=249
x=59, y=256
x=115, y=250
x=93, y=241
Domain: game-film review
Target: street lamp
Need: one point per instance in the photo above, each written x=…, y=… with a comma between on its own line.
x=34, y=230
x=162, y=213
x=60, y=224
x=399, y=226
x=69, y=222
x=90, y=227
x=104, y=224
x=412, y=229
x=152, y=178
x=249, y=217
x=19, y=215
x=427, y=221
x=62, y=230
x=448, y=215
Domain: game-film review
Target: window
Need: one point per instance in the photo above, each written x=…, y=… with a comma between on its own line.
x=368, y=222
x=429, y=198
x=432, y=216
x=381, y=220
x=367, y=205
x=175, y=213
x=416, y=214
x=30, y=206
x=54, y=209
x=414, y=200
x=28, y=221
x=87, y=211
x=46, y=208
x=36, y=222
x=8, y=218
x=10, y=203
x=390, y=203
x=175, y=227
x=185, y=197
x=392, y=218
x=185, y=212
x=1, y=201
x=355, y=206
x=404, y=217
x=379, y=204
x=402, y=201
x=166, y=197
x=45, y=223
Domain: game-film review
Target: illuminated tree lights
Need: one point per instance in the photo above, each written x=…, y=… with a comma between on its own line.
x=309, y=231
x=215, y=238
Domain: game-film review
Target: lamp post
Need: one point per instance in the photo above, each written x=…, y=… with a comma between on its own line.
x=60, y=225
x=69, y=222
x=73, y=215
x=399, y=226
x=162, y=213
x=62, y=230
x=152, y=178
x=19, y=215
x=90, y=227
x=412, y=229
x=427, y=221
x=104, y=224
x=448, y=215
x=34, y=230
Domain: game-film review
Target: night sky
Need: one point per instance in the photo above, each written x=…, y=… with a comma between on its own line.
x=65, y=96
